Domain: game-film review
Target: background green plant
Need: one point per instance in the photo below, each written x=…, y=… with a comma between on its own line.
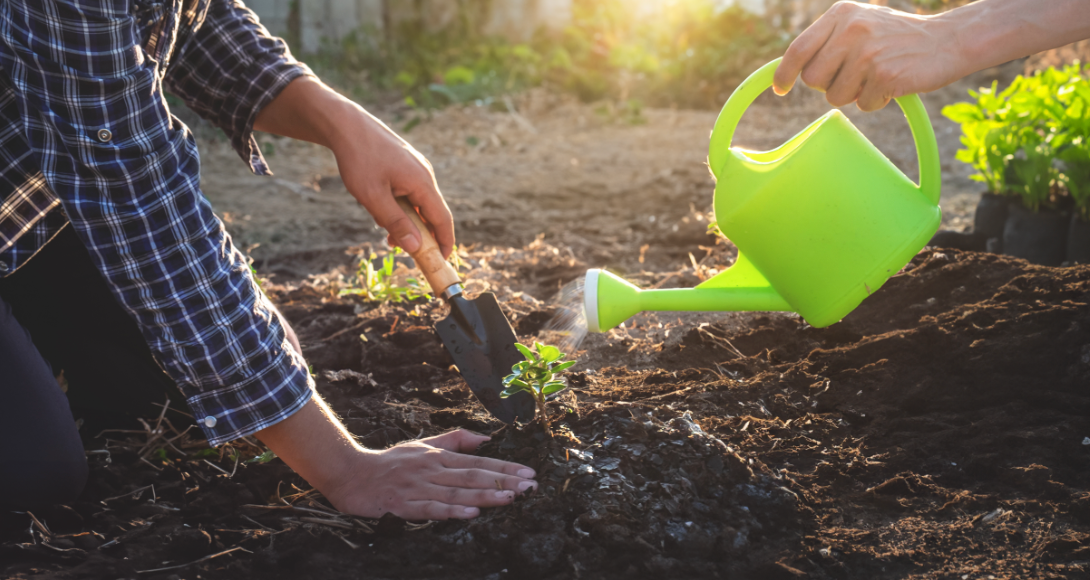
x=379, y=284
x=1030, y=140
x=537, y=375
x=689, y=54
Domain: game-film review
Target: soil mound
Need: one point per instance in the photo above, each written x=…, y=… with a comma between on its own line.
x=940, y=431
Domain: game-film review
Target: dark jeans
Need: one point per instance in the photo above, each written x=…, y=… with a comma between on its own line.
x=57, y=314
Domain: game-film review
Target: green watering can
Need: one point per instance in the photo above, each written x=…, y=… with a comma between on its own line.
x=820, y=222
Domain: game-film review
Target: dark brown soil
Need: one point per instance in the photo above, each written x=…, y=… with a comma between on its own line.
x=937, y=432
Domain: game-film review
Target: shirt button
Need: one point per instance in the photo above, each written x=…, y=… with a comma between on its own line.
x=209, y=421
x=105, y=135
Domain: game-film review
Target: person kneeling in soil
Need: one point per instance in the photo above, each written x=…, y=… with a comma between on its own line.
x=114, y=268
x=870, y=54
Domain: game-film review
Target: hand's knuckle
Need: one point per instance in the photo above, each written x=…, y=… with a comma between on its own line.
x=868, y=55
x=869, y=104
x=859, y=24
x=885, y=75
x=451, y=495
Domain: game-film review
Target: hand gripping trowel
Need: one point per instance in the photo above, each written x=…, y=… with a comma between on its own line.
x=820, y=222
x=476, y=333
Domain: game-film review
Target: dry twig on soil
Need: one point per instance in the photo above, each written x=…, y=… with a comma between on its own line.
x=198, y=561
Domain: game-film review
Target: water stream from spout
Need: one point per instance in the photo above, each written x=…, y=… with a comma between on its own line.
x=568, y=327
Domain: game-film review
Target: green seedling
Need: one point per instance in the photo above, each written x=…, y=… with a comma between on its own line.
x=379, y=285
x=537, y=375
x=456, y=259
x=265, y=457
x=253, y=273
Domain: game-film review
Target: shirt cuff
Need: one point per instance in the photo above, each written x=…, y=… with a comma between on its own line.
x=229, y=413
x=273, y=78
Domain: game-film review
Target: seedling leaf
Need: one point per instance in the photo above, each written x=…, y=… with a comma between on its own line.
x=553, y=387
x=549, y=353
x=518, y=383
x=263, y=458
x=526, y=352
x=563, y=366
x=536, y=375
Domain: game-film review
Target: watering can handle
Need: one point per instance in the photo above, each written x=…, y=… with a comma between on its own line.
x=927, y=149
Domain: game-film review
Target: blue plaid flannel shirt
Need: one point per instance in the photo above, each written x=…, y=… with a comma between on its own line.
x=87, y=139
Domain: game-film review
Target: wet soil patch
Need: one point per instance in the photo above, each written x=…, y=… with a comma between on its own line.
x=937, y=432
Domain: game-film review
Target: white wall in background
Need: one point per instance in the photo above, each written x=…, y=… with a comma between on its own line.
x=517, y=20
x=331, y=20
x=272, y=13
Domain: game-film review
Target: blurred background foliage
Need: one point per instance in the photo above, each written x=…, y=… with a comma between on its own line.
x=685, y=53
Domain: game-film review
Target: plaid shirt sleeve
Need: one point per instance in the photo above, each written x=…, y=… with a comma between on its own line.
x=228, y=70
x=127, y=176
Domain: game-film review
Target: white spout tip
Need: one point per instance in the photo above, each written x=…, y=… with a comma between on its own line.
x=590, y=300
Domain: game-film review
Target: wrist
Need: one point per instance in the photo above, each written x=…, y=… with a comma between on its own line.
x=316, y=445
x=346, y=474
x=988, y=33
x=353, y=133
x=336, y=120
x=968, y=39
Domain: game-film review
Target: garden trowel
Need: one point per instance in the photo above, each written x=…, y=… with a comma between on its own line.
x=476, y=333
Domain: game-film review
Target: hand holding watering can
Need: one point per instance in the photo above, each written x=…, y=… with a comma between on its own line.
x=820, y=222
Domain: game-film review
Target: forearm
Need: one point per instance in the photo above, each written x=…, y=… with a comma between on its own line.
x=314, y=443
x=375, y=163
x=991, y=32
x=309, y=110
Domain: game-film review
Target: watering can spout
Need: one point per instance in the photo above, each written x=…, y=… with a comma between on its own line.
x=609, y=300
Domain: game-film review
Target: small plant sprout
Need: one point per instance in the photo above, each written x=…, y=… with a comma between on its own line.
x=456, y=259
x=380, y=285
x=537, y=375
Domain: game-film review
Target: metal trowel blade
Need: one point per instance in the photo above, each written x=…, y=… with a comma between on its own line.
x=481, y=341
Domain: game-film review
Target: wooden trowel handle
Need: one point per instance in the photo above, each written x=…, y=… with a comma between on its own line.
x=439, y=273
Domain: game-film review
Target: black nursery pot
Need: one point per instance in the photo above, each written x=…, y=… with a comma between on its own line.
x=1078, y=241
x=987, y=234
x=971, y=242
x=1039, y=237
x=991, y=216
